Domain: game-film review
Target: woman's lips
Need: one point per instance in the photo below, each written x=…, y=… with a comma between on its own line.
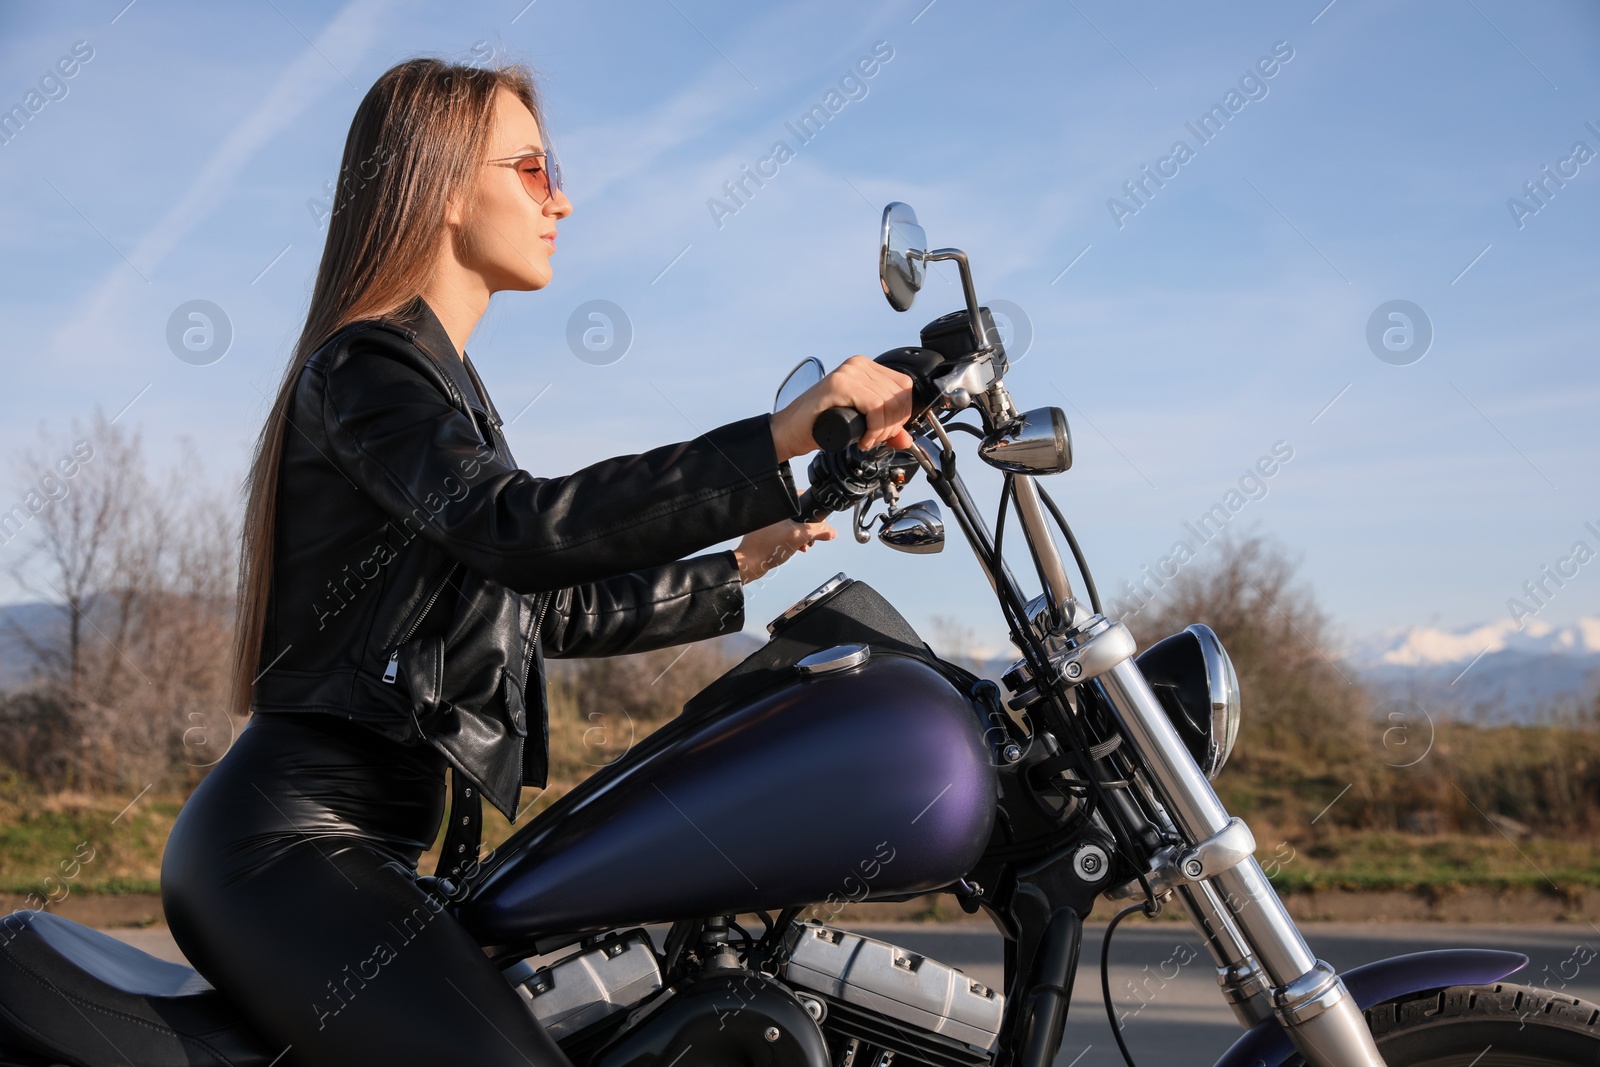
x=550, y=240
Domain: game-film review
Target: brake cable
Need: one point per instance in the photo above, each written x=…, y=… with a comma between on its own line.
x=1105, y=978
x=1014, y=613
x=1077, y=553
x=964, y=427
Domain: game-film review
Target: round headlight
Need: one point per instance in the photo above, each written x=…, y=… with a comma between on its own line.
x=1195, y=681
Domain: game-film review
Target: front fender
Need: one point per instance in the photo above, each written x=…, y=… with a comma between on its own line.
x=1267, y=1045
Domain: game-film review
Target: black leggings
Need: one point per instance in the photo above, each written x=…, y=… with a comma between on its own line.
x=289, y=882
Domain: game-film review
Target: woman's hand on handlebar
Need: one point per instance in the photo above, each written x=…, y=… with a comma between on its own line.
x=883, y=397
x=761, y=550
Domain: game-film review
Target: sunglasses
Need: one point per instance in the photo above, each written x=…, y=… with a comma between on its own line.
x=539, y=173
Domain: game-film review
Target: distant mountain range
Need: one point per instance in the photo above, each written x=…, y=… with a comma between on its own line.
x=44, y=623
x=1497, y=671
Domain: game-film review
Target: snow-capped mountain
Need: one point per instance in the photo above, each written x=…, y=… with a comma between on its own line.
x=1498, y=671
x=1427, y=647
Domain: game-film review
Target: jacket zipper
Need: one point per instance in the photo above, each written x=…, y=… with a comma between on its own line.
x=393, y=669
x=533, y=643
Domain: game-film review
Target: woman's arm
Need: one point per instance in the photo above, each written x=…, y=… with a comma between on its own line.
x=397, y=438
x=675, y=604
x=692, y=600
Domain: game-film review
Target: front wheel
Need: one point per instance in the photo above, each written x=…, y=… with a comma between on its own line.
x=1498, y=1025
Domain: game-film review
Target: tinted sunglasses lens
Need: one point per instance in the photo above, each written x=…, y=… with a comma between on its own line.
x=535, y=178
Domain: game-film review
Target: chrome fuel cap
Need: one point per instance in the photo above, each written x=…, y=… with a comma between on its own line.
x=837, y=658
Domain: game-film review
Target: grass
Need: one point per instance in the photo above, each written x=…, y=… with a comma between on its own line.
x=44, y=839
x=1380, y=860
x=75, y=842
x=85, y=843
x=1315, y=831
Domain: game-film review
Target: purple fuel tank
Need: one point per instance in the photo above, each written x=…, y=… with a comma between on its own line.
x=870, y=782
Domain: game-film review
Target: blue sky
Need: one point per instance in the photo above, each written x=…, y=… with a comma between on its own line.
x=1227, y=314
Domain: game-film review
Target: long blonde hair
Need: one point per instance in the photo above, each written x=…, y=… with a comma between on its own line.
x=416, y=139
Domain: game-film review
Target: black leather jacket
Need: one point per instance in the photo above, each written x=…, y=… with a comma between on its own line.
x=420, y=576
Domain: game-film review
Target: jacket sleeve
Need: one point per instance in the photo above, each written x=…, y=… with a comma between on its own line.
x=682, y=602
x=422, y=460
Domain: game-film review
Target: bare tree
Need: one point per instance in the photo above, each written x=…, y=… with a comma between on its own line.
x=140, y=572
x=72, y=526
x=1298, y=696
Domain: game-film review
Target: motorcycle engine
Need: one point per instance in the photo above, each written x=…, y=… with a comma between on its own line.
x=610, y=975
x=875, y=1003
x=878, y=1003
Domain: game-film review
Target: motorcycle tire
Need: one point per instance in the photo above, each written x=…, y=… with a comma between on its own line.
x=1500, y=1025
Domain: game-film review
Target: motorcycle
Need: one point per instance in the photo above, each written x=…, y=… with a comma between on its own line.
x=844, y=760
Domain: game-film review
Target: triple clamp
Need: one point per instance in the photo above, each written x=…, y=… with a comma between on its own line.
x=1223, y=850
x=1096, y=655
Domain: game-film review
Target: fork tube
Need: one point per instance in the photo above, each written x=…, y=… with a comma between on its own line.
x=1199, y=814
x=1243, y=984
x=1040, y=541
x=1308, y=996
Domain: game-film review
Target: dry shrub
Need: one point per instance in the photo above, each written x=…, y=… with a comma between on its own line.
x=1311, y=727
x=1298, y=696
x=600, y=708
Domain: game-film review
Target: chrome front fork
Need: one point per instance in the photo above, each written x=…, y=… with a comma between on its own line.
x=1264, y=966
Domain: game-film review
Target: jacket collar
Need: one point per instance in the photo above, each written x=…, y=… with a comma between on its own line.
x=429, y=334
x=420, y=319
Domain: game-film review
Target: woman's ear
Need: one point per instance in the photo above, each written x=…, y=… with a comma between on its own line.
x=455, y=211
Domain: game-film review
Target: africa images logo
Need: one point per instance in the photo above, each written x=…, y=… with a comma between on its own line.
x=1205, y=129
x=851, y=86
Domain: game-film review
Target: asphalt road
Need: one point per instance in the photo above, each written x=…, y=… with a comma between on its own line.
x=1182, y=1020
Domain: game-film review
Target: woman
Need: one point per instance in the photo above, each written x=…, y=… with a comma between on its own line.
x=401, y=580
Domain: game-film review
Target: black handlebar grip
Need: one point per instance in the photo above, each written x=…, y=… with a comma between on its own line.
x=836, y=429
x=811, y=510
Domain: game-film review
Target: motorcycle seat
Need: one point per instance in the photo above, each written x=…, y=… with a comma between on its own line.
x=78, y=996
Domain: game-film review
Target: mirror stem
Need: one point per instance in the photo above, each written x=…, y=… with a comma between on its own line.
x=960, y=258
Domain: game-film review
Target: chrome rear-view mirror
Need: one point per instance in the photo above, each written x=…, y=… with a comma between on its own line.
x=806, y=373
x=900, y=255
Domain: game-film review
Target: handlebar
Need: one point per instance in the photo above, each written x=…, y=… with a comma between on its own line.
x=841, y=474
x=838, y=480
x=836, y=429
x=810, y=510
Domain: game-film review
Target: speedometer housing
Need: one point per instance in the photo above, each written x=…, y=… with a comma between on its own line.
x=1194, y=679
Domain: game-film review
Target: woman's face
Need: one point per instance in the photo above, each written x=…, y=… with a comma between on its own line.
x=505, y=236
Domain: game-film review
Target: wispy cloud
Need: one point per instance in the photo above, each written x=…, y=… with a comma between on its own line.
x=300, y=85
